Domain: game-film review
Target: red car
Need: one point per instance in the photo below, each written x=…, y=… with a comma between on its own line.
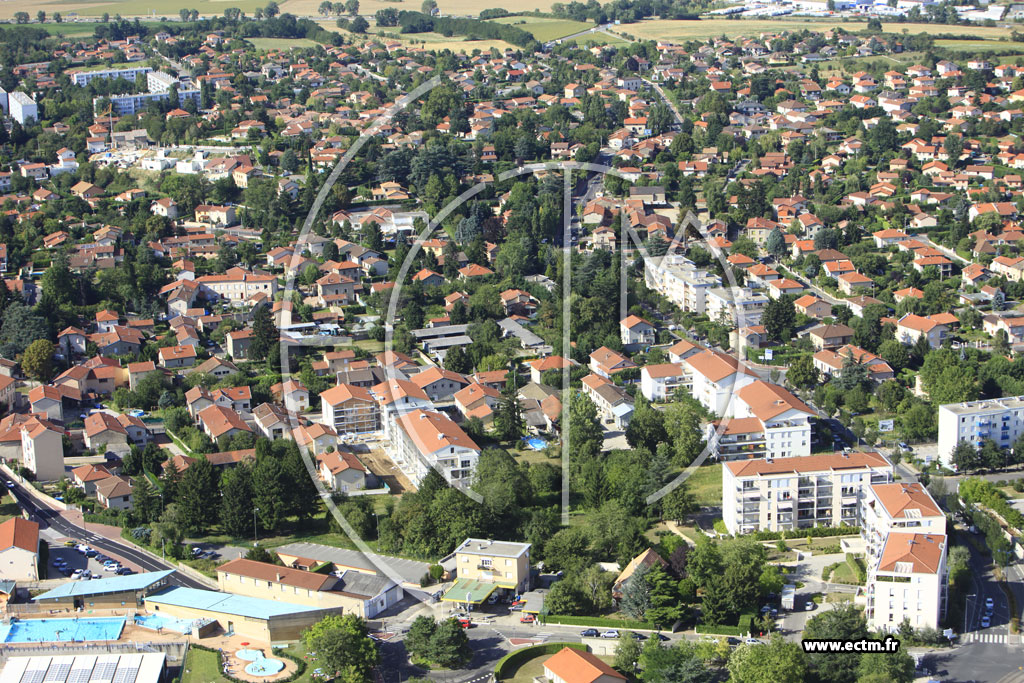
x=528, y=618
x=464, y=622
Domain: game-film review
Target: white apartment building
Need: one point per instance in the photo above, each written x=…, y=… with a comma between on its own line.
x=716, y=378
x=397, y=397
x=999, y=419
x=735, y=306
x=84, y=77
x=427, y=440
x=897, y=507
x=908, y=582
x=128, y=104
x=659, y=382
x=798, y=493
x=159, y=81
x=22, y=107
x=680, y=281
x=769, y=422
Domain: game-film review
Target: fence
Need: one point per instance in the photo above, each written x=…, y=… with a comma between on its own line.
x=174, y=650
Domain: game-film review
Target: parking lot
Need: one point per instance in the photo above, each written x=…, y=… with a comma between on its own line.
x=69, y=561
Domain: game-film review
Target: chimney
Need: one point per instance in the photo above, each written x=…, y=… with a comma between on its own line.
x=279, y=577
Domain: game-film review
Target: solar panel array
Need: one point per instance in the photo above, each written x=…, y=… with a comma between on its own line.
x=59, y=669
x=128, y=669
x=107, y=668
x=104, y=671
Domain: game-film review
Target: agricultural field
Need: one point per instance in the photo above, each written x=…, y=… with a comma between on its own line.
x=427, y=41
x=545, y=28
x=979, y=45
x=281, y=43
x=667, y=29
x=154, y=9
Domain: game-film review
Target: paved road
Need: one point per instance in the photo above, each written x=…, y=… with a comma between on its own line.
x=51, y=518
x=666, y=100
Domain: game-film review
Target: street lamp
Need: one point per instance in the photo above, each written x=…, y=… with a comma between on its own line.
x=255, y=539
x=967, y=599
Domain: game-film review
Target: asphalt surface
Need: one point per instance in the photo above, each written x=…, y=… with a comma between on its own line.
x=121, y=551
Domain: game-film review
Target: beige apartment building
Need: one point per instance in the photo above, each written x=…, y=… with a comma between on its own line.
x=502, y=563
x=799, y=492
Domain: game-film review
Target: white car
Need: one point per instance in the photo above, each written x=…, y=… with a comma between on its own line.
x=753, y=641
x=986, y=621
x=989, y=603
x=112, y=567
x=612, y=633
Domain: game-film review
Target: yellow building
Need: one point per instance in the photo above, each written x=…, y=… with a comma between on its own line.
x=484, y=566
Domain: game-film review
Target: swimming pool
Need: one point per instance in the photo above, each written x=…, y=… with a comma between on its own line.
x=61, y=630
x=159, y=621
x=535, y=443
x=259, y=664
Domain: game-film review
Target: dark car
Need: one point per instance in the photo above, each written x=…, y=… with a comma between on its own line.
x=590, y=633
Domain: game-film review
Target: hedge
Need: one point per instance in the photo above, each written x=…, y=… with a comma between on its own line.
x=514, y=659
x=567, y=620
x=814, y=532
x=299, y=671
x=742, y=628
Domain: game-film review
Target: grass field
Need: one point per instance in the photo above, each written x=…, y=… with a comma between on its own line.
x=546, y=28
x=281, y=43
x=427, y=41
x=706, y=484
x=148, y=8
x=979, y=45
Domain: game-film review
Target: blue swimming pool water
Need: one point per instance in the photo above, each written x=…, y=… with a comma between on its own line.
x=159, y=621
x=264, y=667
x=535, y=443
x=62, y=630
x=259, y=664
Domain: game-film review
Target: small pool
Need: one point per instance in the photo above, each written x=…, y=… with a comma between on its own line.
x=258, y=664
x=61, y=630
x=159, y=621
x=535, y=443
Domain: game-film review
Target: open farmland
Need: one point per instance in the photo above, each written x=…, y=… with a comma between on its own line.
x=147, y=8
x=281, y=43
x=545, y=28
x=667, y=29
x=428, y=41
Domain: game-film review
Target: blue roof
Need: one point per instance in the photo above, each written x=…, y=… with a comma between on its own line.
x=115, y=584
x=226, y=603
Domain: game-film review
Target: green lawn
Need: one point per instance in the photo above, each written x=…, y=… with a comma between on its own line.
x=978, y=45
x=204, y=667
x=546, y=28
x=281, y=43
x=706, y=484
x=8, y=508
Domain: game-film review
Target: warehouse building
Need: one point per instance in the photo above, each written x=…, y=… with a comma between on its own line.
x=113, y=593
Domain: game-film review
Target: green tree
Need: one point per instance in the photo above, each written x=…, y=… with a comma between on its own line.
x=779, y=318
x=264, y=334
x=37, y=361
x=802, y=373
x=198, y=487
x=775, y=244
x=665, y=607
x=776, y=662
x=627, y=654
x=342, y=643
x=646, y=427
x=683, y=419
x=269, y=485
x=896, y=667
x=842, y=622
x=636, y=593
x=237, y=501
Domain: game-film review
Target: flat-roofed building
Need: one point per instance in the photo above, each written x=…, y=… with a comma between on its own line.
x=800, y=492
x=265, y=621
x=115, y=592
x=999, y=419
x=483, y=566
x=147, y=667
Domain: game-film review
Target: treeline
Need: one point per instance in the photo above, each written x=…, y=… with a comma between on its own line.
x=417, y=22
x=629, y=11
x=22, y=45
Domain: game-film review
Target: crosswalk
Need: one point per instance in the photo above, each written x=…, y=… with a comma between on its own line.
x=975, y=637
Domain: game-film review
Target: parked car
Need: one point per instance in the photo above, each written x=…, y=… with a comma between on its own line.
x=611, y=633
x=590, y=633
x=986, y=621
x=753, y=641
x=124, y=571
x=809, y=606
x=527, y=619
x=465, y=622
x=989, y=603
